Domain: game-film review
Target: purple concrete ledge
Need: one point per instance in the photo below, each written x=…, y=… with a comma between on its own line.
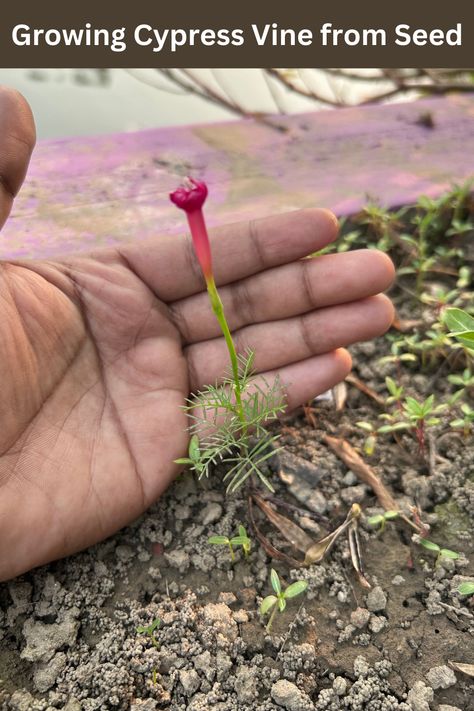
x=85, y=192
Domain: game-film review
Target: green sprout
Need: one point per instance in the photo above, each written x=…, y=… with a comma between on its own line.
x=465, y=380
x=278, y=600
x=241, y=540
x=440, y=552
x=373, y=432
x=466, y=421
x=396, y=391
x=466, y=588
x=150, y=631
x=380, y=520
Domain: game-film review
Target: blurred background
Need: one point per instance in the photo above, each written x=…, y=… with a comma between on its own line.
x=68, y=102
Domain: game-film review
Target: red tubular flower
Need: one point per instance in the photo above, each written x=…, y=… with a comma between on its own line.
x=191, y=197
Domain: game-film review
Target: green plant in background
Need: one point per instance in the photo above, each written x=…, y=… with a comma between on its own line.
x=374, y=432
x=465, y=380
x=241, y=540
x=228, y=419
x=461, y=325
x=421, y=415
x=278, y=600
x=383, y=226
x=465, y=421
x=380, y=520
x=466, y=588
x=440, y=552
x=395, y=392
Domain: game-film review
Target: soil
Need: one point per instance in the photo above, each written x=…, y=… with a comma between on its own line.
x=69, y=630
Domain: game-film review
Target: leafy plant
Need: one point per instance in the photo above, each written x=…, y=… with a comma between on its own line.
x=464, y=380
x=380, y=520
x=422, y=415
x=440, y=552
x=466, y=420
x=374, y=432
x=466, y=588
x=278, y=600
x=461, y=325
x=241, y=540
x=229, y=418
x=150, y=631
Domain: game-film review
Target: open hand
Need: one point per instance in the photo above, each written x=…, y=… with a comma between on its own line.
x=99, y=351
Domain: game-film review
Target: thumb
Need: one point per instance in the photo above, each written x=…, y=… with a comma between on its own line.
x=17, y=139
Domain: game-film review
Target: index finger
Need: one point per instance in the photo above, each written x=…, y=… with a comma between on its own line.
x=17, y=139
x=169, y=267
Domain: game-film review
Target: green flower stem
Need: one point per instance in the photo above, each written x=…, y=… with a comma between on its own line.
x=218, y=309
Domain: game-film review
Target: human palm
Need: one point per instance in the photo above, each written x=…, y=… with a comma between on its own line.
x=98, y=353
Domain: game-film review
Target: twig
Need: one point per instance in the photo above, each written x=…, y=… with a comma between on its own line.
x=308, y=93
x=196, y=86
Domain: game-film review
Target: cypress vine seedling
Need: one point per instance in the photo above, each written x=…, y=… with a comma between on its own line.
x=440, y=552
x=241, y=540
x=380, y=520
x=278, y=600
x=228, y=419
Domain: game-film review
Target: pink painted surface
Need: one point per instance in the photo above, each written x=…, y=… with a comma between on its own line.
x=84, y=192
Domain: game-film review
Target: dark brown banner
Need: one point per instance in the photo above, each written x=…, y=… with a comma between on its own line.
x=238, y=34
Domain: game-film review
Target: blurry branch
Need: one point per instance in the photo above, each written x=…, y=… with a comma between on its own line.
x=193, y=84
x=392, y=84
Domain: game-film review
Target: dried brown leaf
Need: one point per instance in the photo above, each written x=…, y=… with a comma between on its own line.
x=356, y=464
x=463, y=668
x=360, y=385
x=267, y=546
x=288, y=529
x=339, y=394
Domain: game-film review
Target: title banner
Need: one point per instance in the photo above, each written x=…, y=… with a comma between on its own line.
x=244, y=34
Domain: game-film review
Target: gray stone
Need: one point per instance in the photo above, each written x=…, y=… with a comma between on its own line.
x=376, y=600
x=420, y=696
x=74, y=705
x=211, y=513
x=349, y=478
x=144, y=705
x=202, y=662
x=339, y=685
x=398, y=580
x=20, y=593
x=124, y=553
x=219, y=617
x=353, y=494
x=418, y=488
x=245, y=684
x=446, y=707
x=178, y=558
x=21, y=701
x=301, y=478
x=441, y=677
x=190, y=681
x=286, y=694
x=360, y=617
x=377, y=623
x=42, y=640
x=46, y=673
